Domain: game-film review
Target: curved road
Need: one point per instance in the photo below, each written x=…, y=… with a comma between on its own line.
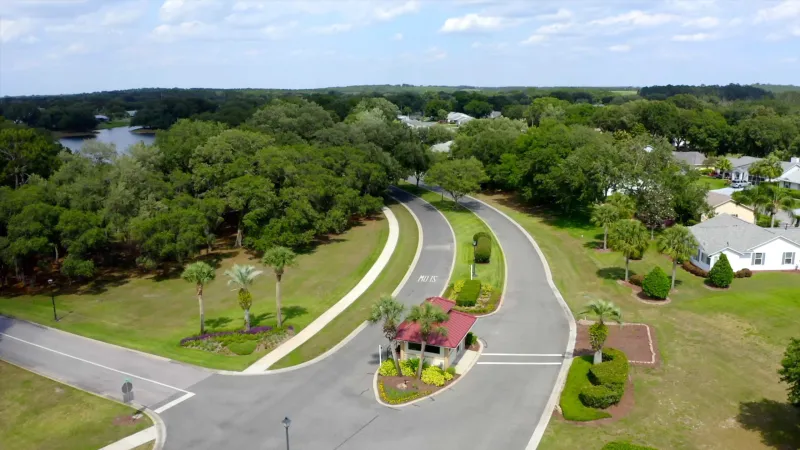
x=331, y=403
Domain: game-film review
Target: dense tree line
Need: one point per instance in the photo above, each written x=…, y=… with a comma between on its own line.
x=729, y=92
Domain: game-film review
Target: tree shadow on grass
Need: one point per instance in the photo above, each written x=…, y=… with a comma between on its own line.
x=614, y=273
x=594, y=245
x=214, y=259
x=778, y=422
x=218, y=322
x=98, y=286
x=258, y=319
x=290, y=312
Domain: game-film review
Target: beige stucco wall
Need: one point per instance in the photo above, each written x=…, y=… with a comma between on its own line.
x=735, y=210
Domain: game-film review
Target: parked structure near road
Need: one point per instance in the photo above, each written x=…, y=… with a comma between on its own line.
x=724, y=204
x=442, y=351
x=745, y=244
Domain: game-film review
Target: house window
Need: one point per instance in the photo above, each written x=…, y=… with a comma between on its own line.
x=707, y=260
x=788, y=258
x=414, y=347
x=758, y=259
x=433, y=349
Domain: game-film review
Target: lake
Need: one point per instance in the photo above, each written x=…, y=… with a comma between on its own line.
x=120, y=136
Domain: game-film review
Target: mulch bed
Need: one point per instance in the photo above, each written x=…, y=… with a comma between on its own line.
x=128, y=420
x=618, y=411
x=414, y=384
x=638, y=294
x=714, y=288
x=632, y=338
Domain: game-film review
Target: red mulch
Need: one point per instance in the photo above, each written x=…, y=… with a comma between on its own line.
x=618, y=411
x=639, y=294
x=631, y=338
x=414, y=384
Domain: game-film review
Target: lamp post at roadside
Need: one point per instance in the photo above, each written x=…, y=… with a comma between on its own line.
x=52, y=283
x=286, y=422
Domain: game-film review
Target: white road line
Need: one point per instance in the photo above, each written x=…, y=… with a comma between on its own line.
x=546, y=355
x=178, y=400
x=96, y=364
x=493, y=363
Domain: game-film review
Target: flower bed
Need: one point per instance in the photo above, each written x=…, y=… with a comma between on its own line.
x=487, y=301
x=396, y=389
x=239, y=342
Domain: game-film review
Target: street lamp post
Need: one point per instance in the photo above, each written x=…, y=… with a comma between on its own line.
x=286, y=422
x=52, y=283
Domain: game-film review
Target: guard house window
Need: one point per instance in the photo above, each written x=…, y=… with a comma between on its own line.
x=414, y=347
x=758, y=259
x=788, y=258
x=433, y=349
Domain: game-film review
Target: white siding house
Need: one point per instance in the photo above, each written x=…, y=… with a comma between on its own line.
x=746, y=245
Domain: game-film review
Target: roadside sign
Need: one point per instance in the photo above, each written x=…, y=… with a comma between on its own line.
x=127, y=391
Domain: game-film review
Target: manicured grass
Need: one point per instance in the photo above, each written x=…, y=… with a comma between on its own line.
x=717, y=387
x=358, y=312
x=154, y=313
x=571, y=406
x=38, y=413
x=114, y=124
x=625, y=92
x=465, y=224
x=714, y=183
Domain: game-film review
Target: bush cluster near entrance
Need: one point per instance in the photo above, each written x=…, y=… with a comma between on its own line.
x=483, y=247
x=239, y=342
x=607, y=380
x=470, y=291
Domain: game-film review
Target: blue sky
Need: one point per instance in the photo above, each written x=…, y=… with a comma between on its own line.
x=67, y=46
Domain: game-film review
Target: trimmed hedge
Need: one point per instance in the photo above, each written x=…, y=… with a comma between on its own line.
x=481, y=234
x=656, y=284
x=694, y=270
x=470, y=339
x=483, y=251
x=636, y=280
x=469, y=293
x=744, y=273
x=721, y=275
x=571, y=406
x=387, y=368
x=621, y=445
x=243, y=348
x=608, y=380
x=435, y=376
x=600, y=397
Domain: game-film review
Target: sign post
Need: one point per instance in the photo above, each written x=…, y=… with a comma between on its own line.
x=380, y=349
x=127, y=391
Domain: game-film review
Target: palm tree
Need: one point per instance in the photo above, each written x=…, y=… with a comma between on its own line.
x=604, y=215
x=603, y=310
x=200, y=274
x=428, y=317
x=390, y=312
x=279, y=258
x=625, y=204
x=723, y=164
x=679, y=244
x=629, y=237
x=242, y=278
x=776, y=198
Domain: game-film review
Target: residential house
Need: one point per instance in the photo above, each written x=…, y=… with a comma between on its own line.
x=791, y=178
x=443, y=147
x=745, y=244
x=413, y=123
x=723, y=204
x=458, y=118
x=741, y=168
x=101, y=118
x=694, y=159
x=495, y=114
x=442, y=351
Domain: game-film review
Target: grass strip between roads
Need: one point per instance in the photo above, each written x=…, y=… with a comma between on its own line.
x=465, y=224
x=39, y=413
x=358, y=312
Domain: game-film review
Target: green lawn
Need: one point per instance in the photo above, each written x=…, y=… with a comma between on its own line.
x=114, y=124
x=153, y=313
x=38, y=413
x=358, y=312
x=465, y=224
x=717, y=387
x=714, y=183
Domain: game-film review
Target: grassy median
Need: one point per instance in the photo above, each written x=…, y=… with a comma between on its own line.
x=39, y=413
x=358, y=312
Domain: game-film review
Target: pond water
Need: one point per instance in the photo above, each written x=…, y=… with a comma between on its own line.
x=120, y=136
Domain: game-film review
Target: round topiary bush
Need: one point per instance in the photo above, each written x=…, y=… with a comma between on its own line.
x=243, y=348
x=721, y=275
x=656, y=284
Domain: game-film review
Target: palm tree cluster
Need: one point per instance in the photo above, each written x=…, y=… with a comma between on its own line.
x=617, y=207
x=427, y=316
x=242, y=277
x=603, y=310
x=767, y=199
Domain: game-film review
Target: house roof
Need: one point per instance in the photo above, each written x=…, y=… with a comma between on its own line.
x=725, y=231
x=458, y=325
x=691, y=158
x=715, y=199
x=743, y=161
x=442, y=147
x=495, y=114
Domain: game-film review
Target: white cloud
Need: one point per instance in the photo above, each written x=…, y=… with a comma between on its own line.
x=561, y=14
x=735, y=22
x=333, y=28
x=398, y=37
x=774, y=37
x=620, y=48
x=108, y=18
x=691, y=5
x=77, y=48
x=697, y=37
x=636, y=18
x=278, y=31
x=388, y=13
x=786, y=9
x=796, y=31
x=534, y=39
x=11, y=30
x=185, y=11
x=476, y=22
x=702, y=22
x=490, y=46
x=554, y=28
x=789, y=60
x=435, y=54
x=183, y=30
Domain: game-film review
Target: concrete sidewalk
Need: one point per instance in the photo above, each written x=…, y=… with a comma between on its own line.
x=325, y=318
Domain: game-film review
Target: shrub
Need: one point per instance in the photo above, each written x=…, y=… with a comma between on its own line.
x=451, y=371
x=146, y=264
x=598, y=333
x=612, y=371
x=457, y=287
x=481, y=234
x=388, y=369
x=571, y=406
x=434, y=376
x=636, y=280
x=483, y=251
x=600, y=397
x=470, y=339
x=409, y=366
x=469, y=293
x=721, y=275
x=744, y=273
x=694, y=270
x=243, y=348
x=656, y=284
x=621, y=445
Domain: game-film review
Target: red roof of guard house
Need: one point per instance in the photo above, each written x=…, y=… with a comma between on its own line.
x=458, y=325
